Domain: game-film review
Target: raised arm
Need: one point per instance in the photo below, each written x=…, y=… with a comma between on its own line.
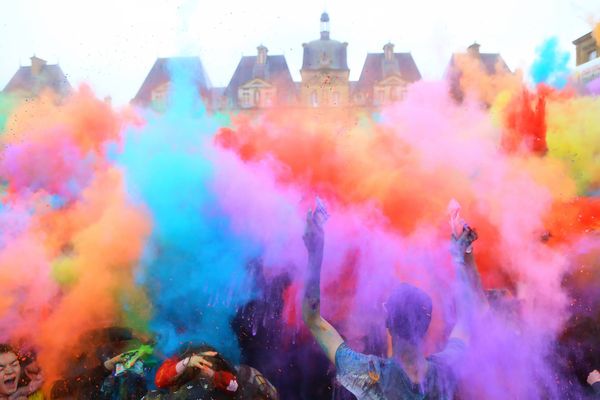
x=469, y=291
x=325, y=334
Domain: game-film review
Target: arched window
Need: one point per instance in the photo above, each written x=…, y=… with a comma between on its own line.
x=314, y=99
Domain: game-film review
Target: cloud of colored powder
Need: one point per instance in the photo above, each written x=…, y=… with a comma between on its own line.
x=551, y=64
x=388, y=186
x=194, y=268
x=150, y=219
x=69, y=215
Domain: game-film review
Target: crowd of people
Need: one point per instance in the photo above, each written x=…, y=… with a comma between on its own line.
x=117, y=364
x=196, y=372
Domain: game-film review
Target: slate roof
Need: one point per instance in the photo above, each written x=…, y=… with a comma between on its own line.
x=376, y=68
x=275, y=71
x=162, y=70
x=50, y=77
x=583, y=38
x=325, y=53
x=489, y=61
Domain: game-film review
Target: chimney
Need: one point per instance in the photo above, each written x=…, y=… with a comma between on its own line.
x=473, y=49
x=388, y=51
x=37, y=64
x=262, y=54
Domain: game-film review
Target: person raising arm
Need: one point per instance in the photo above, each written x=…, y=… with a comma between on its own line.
x=408, y=372
x=325, y=334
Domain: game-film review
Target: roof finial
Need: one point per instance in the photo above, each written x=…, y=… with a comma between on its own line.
x=324, y=26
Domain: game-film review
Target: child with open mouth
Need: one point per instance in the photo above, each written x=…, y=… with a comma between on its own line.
x=10, y=371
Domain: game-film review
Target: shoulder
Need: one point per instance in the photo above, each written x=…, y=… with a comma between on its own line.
x=444, y=364
x=451, y=354
x=359, y=373
x=345, y=358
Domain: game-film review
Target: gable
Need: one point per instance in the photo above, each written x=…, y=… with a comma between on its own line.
x=256, y=83
x=393, y=80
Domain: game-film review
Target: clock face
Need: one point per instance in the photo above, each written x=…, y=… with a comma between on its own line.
x=325, y=59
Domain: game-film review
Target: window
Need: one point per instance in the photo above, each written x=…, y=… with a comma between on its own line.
x=593, y=54
x=335, y=99
x=268, y=99
x=379, y=96
x=394, y=93
x=256, y=97
x=403, y=90
x=397, y=92
x=245, y=99
x=314, y=99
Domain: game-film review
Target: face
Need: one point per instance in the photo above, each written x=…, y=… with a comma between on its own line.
x=10, y=370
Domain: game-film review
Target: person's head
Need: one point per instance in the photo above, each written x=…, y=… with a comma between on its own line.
x=219, y=363
x=408, y=314
x=10, y=370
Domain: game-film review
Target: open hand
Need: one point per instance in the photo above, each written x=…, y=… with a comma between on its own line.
x=199, y=362
x=463, y=244
x=111, y=363
x=36, y=383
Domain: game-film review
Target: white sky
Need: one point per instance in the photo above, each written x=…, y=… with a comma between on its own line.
x=112, y=44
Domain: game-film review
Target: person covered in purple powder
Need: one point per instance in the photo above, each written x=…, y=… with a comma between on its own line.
x=408, y=373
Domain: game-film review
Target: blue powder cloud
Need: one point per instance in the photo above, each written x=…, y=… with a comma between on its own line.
x=194, y=267
x=551, y=64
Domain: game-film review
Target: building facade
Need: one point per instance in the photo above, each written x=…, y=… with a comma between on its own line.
x=156, y=88
x=489, y=64
x=31, y=81
x=586, y=49
x=264, y=81
x=325, y=73
x=385, y=77
x=260, y=81
x=587, y=59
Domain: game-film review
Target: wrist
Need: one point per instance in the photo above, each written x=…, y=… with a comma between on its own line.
x=315, y=256
x=182, y=365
